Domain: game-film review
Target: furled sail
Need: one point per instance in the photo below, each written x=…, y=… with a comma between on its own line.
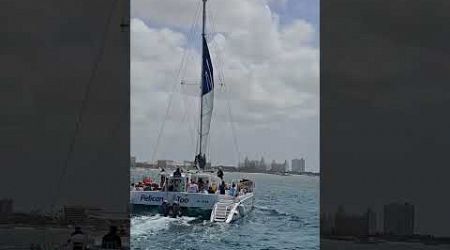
x=207, y=95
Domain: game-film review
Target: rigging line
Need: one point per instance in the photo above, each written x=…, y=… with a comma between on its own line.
x=177, y=75
x=233, y=129
x=79, y=118
x=222, y=80
x=219, y=58
x=185, y=99
x=186, y=117
x=191, y=130
x=191, y=35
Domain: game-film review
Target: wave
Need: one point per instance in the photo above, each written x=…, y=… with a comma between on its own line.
x=275, y=212
x=271, y=211
x=149, y=225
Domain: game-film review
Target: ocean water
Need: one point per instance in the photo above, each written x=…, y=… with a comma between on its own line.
x=285, y=216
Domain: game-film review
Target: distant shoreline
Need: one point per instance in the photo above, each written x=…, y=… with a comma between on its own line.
x=280, y=174
x=312, y=174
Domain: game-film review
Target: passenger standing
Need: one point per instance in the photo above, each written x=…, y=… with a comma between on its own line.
x=193, y=187
x=201, y=185
x=222, y=188
x=232, y=191
x=177, y=173
x=220, y=173
x=163, y=178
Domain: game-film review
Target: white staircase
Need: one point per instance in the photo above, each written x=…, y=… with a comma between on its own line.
x=221, y=210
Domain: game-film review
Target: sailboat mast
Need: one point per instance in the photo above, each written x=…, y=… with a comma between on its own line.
x=202, y=79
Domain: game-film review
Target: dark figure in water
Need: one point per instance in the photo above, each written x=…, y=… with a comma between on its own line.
x=112, y=240
x=222, y=188
x=170, y=212
x=165, y=208
x=176, y=210
x=177, y=173
x=220, y=173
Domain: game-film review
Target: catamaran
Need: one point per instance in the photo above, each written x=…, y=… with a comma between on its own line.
x=197, y=191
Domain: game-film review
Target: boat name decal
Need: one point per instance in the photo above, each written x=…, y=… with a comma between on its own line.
x=151, y=198
x=182, y=200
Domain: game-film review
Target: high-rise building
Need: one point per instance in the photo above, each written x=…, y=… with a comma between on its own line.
x=253, y=165
x=298, y=165
x=262, y=164
x=278, y=167
x=399, y=219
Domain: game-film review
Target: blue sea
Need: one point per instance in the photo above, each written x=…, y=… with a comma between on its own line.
x=286, y=216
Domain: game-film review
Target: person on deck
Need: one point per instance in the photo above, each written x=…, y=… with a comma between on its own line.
x=232, y=191
x=163, y=178
x=193, y=187
x=220, y=173
x=177, y=173
x=222, y=188
x=201, y=185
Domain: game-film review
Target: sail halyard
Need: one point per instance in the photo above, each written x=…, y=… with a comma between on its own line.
x=206, y=96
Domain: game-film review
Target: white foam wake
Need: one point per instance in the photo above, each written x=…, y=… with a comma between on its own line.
x=149, y=225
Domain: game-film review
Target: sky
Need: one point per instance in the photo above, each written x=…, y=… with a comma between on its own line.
x=268, y=54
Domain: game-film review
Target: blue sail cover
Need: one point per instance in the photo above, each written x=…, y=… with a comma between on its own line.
x=207, y=94
x=208, y=74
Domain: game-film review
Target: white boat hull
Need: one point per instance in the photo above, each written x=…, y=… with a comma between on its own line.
x=233, y=209
x=184, y=199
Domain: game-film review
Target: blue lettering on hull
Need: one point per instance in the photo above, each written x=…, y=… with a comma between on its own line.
x=151, y=198
x=182, y=200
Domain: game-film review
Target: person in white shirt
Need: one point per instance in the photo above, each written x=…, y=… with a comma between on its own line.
x=193, y=187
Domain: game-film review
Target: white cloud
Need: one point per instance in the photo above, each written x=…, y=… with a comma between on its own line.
x=271, y=72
